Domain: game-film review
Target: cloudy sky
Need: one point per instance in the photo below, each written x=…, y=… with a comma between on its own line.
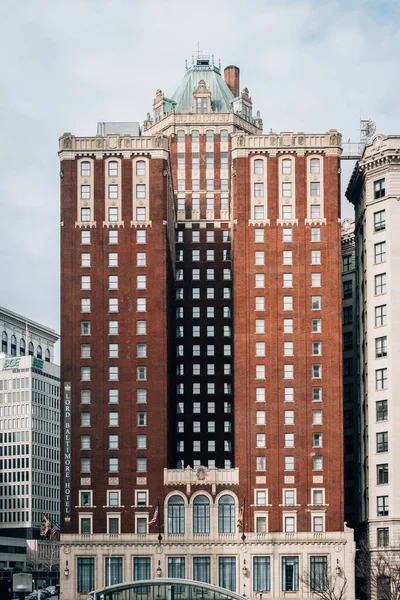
x=309, y=65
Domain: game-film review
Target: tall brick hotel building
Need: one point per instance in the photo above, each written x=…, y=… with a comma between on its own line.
x=201, y=349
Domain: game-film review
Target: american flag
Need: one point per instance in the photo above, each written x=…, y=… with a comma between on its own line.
x=155, y=516
x=54, y=528
x=240, y=516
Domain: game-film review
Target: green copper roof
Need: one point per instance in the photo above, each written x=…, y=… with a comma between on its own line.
x=221, y=95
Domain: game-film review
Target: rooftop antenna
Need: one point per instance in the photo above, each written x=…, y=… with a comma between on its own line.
x=198, y=52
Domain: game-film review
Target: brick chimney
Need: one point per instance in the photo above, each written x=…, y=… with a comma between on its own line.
x=231, y=76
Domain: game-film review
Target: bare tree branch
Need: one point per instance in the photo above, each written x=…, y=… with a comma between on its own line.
x=380, y=572
x=326, y=587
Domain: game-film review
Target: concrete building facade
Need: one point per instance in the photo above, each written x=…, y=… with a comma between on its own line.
x=201, y=349
x=374, y=190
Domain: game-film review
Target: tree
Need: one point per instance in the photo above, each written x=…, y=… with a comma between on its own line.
x=325, y=585
x=44, y=556
x=379, y=572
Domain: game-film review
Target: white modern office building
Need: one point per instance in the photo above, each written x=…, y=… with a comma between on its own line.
x=374, y=190
x=29, y=425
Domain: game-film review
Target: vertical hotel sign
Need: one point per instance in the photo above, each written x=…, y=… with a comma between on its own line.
x=67, y=453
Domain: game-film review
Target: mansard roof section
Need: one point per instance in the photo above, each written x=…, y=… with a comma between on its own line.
x=205, y=71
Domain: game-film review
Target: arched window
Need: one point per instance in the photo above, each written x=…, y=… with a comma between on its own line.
x=22, y=347
x=181, y=136
x=226, y=515
x=201, y=514
x=39, y=352
x=286, y=166
x=4, y=342
x=314, y=165
x=195, y=137
x=258, y=167
x=31, y=349
x=140, y=167
x=13, y=345
x=224, y=135
x=176, y=515
x=85, y=168
x=47, y=355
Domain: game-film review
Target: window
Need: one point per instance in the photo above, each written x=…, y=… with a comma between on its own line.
x=85, y=574
x=315, y=280
x=226, y=515
x=382, y=474
x=317, y=497
x=287, y=235
x=141, y=465
x=346, y=263
x=113, y=305
x=287, y=257
x=201, y=514
x=382, y=444
x=113, y=327
x=381, y=410
x=289, y=394
x=85, y=192
x=140, y=191
x=259, y=236
x=113, y=442
x=227, y=572
x=287, y=325
x=381, y=347
x=317, y=417
x=85, y=350
x=141, y=213
x=382, y=506
x=316, y=348
x=287, y=303
x=85, y=373
x=113, y=396
x=289, y=497
x=317, y=463
x=85, y=238
x=85, y=419
x=317, y=440
x=259, y=303
x=113, y=570
x=113, y=282
x=113, y=373
x=380, y=252
x=259, y=258
x=379, y=220
x=379, y=189
x=286, y=166
x=314, y=189
x=260, y=394
x=383, y=537
x=85, y=214
x=290, y=573
x=85, y=396
x=287, y=211
x=289, y=524
x=258, y=190
x=289, y=417
x=287, y=280
x=258, y=167
x=288, y=372
x=260, y=371
x=289, y=463
x=176, y=515
x=260, y=326
x=112, y=259
x=141, y=304
x=381, y=379
x=380, y=315
x=85, y=465
x=318, y=573
x=316, y=325
x=260, y=349
x=261, y=573
x=260, y=440
x=347, y=289
x=314, y=165
x=113, y=192
x=380, y=284
x=286, y=190
x=315, y=234
x=85, y=260
x=289, y=440
x=113, y=419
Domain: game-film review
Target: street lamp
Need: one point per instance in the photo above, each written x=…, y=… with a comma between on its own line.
x=66, y=571
x=244, y=570
x=338, y=569
x=158, y=571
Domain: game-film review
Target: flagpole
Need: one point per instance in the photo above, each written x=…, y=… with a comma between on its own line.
x=243, y=520
x=159, y=522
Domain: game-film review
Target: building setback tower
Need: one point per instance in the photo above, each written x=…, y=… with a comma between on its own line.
x=201, y=338
x=374, y=189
